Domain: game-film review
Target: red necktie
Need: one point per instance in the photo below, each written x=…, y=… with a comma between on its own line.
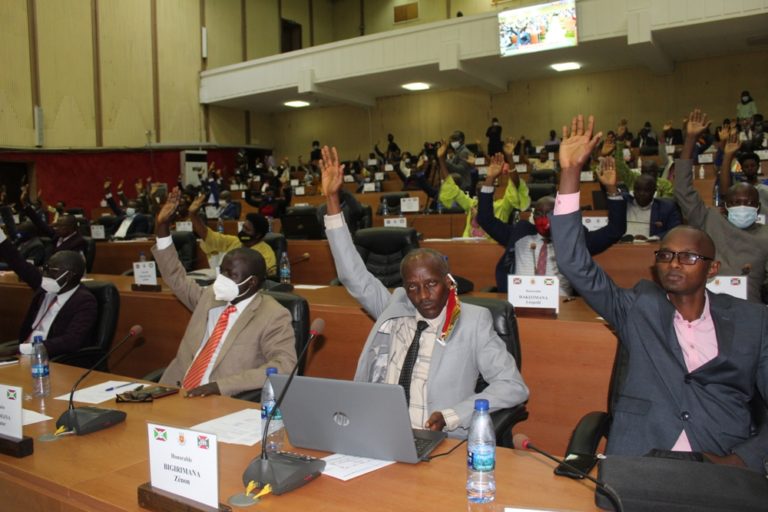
x=203, y=359
x=541, y=263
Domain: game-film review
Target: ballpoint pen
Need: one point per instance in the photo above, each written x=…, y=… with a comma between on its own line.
x=112, y=388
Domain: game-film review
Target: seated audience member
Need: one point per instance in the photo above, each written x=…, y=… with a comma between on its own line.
x=452, y=343
x=524, y=146
x=64, y=233
x=235, y=332
x=227, y=209
x=251, y=236
x=648, y=217
x=62, y=311
x=664, y=187
x=543, y=163
x=350, y=207
x=268, y=199
x=23, y=236
x=528, y=247
x=553, y=143
x=130, y=222
x=459, y=163
x=741, y=243
x=515, y=198
x=696, y=359
x=646, y=137
x=749, y=163
x=672, y=136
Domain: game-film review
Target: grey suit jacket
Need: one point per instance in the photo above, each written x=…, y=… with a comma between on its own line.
x=660, y=398
x=261, y=337
x=473, y=347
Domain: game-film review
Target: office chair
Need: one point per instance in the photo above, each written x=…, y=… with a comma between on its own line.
x=108, y=312
x=393, y=202
x=279, y=245
x=90, y=253
x=505, y=325
x=185, y=243
x=382, y=249
x=539, y=190
x=366, y=220
x=543, y=176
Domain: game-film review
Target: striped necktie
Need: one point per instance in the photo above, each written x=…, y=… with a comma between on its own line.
x=203, y=359
x=410, y=361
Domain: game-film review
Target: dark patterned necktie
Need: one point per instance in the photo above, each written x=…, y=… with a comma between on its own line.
x=410, y=360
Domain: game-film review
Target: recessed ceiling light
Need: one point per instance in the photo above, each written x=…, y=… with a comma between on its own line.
x=296, y=103
x=566, y=66
x=416, y=86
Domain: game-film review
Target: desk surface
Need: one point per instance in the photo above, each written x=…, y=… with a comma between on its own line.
x=101, y=471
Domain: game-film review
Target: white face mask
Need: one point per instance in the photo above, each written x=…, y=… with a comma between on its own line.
x=130, y=212
x=226, y=289
x=455, y=144
x=745, y=99
x=222, y=202
x=742, y=216
x=52, y=285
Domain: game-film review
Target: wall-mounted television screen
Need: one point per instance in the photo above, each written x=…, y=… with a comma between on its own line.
x=537, y=28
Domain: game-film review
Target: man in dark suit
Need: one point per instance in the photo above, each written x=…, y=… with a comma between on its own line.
x=647, y=216
x=510, y=235
x=64, y=232
x=696, y=359
x=129, y=223
x=62, y=311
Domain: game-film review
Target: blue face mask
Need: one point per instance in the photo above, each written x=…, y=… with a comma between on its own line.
x=742, y=216
x=130, y=212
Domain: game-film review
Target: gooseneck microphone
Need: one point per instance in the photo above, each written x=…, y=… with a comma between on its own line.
x=284, y=471
x=522, y=442
x=84, y=420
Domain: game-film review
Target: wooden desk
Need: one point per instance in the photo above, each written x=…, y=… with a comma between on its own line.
x=101, y=471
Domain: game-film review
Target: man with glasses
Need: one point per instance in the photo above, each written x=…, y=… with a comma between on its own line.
x=696, y=359
x=62, y=311
x=741, y=243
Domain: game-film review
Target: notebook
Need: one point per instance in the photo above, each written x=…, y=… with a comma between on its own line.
x=353, y=418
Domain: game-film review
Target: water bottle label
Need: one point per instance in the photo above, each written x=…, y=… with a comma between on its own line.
x=482, y=458
x=40, y=370
x=266, y=408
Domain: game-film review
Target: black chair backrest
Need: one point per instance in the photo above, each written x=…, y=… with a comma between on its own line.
x=278, y=243
x=298, y=307
x=83, y=226
x=382, y=250
x=366, y=220
x=76, y=212
x=108, y=299
x=238, y=209
x=90, y=253
x=48, y=245
x=393, y=201
x=505, y=325
x=599, y=201
x=301, y=223
x=543, y=176
x=185, y=243
x=539, y=190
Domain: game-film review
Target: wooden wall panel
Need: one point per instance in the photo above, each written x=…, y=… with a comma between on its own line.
x=298, y=11
x=125, y=54
x=263, y=28
x=222, y=19
x=322, y=16
x=178, y=31
x=227, y=126
x=66, y=72
x=16, y=126
x=262, y=130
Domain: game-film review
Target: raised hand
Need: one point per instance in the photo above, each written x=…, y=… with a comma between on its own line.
x=107, y=185
x=24, y=197
x=196, y=205
x=139, y=186
x=496, y=167
x=332, y=173
x=696, y=123
x=168, y=210
x=120, y=186
x=442, y=150
x=606, y=174
x=578, y=143
x=732, y=143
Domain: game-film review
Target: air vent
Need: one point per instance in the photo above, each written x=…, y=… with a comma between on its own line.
x=406, y=12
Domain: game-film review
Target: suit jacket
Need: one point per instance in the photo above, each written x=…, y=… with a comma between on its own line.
x=261, y=337
x=660, y=398
x=508, y=235
x=74, y=243
x=74, y=325
x=473, y=347
x=139, y=226
x=32, y=249
x=665, y=215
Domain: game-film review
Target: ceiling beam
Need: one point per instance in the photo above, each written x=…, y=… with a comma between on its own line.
x=308, y=85
x=640, y=42
x=450, y=61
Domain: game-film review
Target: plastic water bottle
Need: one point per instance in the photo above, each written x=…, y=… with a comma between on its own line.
x=384, y=208
x=220, y=226
x=41, y=380
x=285, y=269
x=142, y=256
x=269, y=222
x=481, y=456
x=439, y=207
x=276, y=430
x=702, y=172
x=716, y=192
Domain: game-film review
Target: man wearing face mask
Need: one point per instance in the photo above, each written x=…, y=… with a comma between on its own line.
x=528, y=247
x=62, y=311
x=63, y=232
x=459, y=163
x=235, y=332
x=741, y=243
x=130, y=223
x=228, y=210
x=251, y=236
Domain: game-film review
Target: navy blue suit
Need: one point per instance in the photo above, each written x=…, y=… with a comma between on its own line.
x=139, y=226
x=507, y=235
x=664, y=215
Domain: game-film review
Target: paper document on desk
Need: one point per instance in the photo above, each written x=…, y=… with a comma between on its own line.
x=98, y=393
x=242, y=427
x=309, y=286
x=347, y=467
x=29, y=417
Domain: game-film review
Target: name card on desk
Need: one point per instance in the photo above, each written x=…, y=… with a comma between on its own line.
x=184, y=462
x=369, y=187
x=294, y=183
x=760, y=218
x=479, y=161
x=762, y=154
x=732, y=285
x=97, y=232
x=586, y=176
x=212, y=212
x=706, y=158
x=395, y=222
x=299, y=191
x=482, y=172
x=184, y=225
x=409, y=204
x=373, y=161
x=670, y=149
x=521, y=168
x=144, y=273
x=389, y=167
x=534, y=292
x=10, y=411
x=378, y=176
x=551, y=155
x=348, y=178
x=15, y=218
x=593, y=223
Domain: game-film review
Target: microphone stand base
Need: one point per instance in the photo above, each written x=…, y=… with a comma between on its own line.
x=86, y=420
x=283, y=471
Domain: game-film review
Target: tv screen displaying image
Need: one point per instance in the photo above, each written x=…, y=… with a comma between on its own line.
x=537, y=28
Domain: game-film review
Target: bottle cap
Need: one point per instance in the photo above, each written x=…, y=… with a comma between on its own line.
x=271, y=370
x=481, y=404
x=37, y=339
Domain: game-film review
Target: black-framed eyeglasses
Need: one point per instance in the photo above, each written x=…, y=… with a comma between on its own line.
x=684, y=257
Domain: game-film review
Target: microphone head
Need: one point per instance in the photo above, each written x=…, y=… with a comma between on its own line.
x=136, y=330
x=317, y=327
x=520, y=441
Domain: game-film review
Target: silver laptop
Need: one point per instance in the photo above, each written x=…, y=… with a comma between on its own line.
x=353, y=418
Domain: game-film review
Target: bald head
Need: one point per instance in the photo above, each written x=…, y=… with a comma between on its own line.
x=65, y=226
x=421, y=257
x=697, y=240
x=742, y=194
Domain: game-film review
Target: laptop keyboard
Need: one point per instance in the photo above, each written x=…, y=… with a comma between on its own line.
x=425, y=445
